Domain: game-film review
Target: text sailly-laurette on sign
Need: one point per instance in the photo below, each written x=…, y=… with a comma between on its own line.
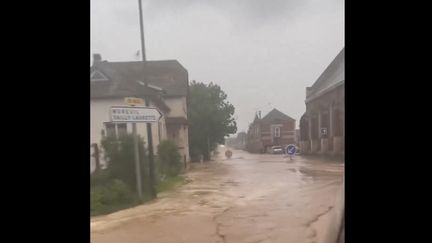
x=120, y=114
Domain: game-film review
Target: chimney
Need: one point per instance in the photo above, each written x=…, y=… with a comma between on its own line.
x=97, y=58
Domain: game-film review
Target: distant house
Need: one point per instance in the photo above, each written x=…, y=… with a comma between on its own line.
x=322, y=127
x=274, y=129
x=167, y=90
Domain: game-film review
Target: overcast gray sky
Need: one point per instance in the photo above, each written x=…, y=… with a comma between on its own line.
x=263, y=53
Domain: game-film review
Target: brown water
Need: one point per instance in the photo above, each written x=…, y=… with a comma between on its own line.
x=248, y=198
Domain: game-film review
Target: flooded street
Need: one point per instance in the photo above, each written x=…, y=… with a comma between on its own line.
x=248, y=198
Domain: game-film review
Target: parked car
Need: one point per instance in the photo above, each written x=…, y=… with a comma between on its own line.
x=277, y=150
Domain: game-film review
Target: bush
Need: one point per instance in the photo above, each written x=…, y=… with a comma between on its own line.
x=114, y=195
x=119, y=153
x=114, y=188
x=100, y=177
x=117, y=192
x=169, y=159
x=96, y=196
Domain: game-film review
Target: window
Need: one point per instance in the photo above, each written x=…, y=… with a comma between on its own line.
x=110, y=129
x=121, y=129
x=276, y=132
x=115, y=129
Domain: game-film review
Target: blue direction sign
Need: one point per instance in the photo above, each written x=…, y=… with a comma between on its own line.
x=291, y=149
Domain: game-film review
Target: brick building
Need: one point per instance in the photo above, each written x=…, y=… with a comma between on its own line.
x=322, y=127
x=274, y=129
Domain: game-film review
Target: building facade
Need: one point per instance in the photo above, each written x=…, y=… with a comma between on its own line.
x=274, y=129
x=322, y=127
x=164, y=83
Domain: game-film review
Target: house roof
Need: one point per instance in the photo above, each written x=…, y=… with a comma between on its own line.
x=275, y=114
x=333, y=76
x=122, y=77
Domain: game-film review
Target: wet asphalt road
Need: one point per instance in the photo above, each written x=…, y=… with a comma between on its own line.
x=248, y=198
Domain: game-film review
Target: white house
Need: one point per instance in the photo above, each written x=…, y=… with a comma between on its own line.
x=167, y=90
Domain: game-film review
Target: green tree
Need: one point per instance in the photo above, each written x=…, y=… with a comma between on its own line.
x=169, y=159
x=210, y=118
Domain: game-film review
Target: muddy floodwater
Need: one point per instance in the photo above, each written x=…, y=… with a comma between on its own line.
x=248, y=198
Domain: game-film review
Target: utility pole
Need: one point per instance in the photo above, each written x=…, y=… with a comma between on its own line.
x=151, y=154
x=143, y=53
x=137, y=162
x=147, y=104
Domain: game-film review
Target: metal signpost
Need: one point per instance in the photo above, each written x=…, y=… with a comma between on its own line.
x=323, y=131
x=132, y=101
x=291, y=150
x=133, y=114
